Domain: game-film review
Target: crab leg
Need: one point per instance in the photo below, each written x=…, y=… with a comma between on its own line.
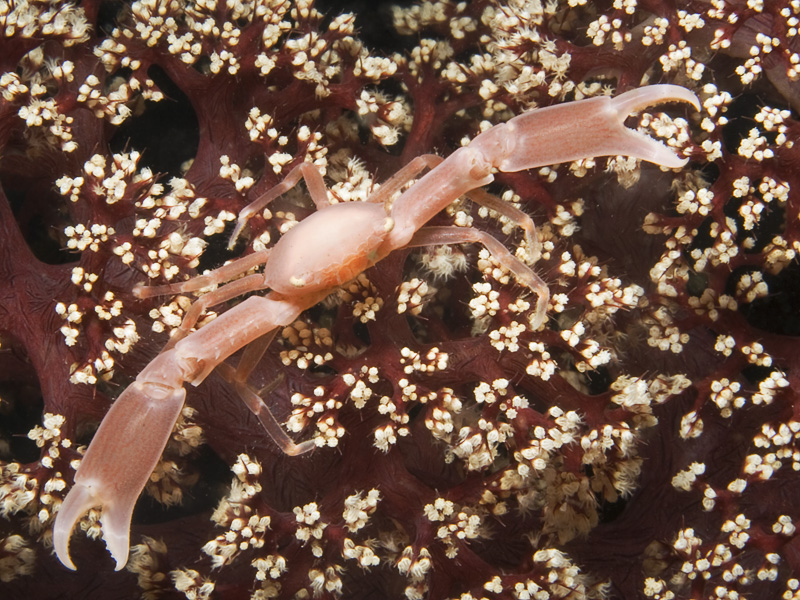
x=431, y=236
x=314, y=184
x=132, y=436
x=259, y=408
x=232, y=289
x=222, y=274
x=483, y=198
x=250, y=283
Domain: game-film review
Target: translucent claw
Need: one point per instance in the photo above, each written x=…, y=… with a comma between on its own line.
x=115, y=521
x=119, y=461
x=640, y=98
x=586, y=128
x=78, y=501
x=637, y=144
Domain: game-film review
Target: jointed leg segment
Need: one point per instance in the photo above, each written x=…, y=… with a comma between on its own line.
x=261, y=410
x=220, y=275
x=230, y=290
x=492, y=202
x=433, y=236
x=234, y=289
x=395, y=183
x=314, y=183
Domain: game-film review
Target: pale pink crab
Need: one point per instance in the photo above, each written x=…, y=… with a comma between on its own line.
x=311, y=260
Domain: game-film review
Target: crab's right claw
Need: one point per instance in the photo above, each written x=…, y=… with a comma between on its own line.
x=582, y=129
x=637, y=144
x=118, y=463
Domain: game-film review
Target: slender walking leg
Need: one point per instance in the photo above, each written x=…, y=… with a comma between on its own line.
x=432, y=236
x=234, y=289
x=492, y=202
x=261, y=410
x=403, y=176
x=314, y=183
x=220, y=275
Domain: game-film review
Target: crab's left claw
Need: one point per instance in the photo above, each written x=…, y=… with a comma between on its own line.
x=115, y=521
x=118, y=463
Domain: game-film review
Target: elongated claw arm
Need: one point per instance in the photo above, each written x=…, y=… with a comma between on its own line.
x=117, y=465
x=586, y=128
x=544, y=136
x=132, y=436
